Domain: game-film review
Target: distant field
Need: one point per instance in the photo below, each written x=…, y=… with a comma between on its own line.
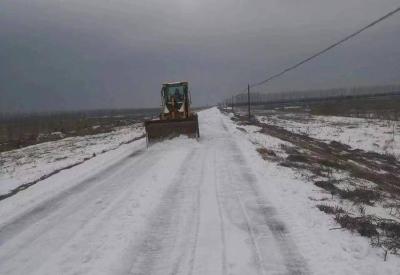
x=380, y=107
x=367, y=123
x=369, y=107
x=17, y=131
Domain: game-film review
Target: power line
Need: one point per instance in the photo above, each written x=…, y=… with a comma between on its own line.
x=326, y=49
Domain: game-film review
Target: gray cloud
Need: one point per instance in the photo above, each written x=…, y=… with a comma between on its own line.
x=111, y=54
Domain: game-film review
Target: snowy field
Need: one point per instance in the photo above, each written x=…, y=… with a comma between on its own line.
x=367, y=198
x=30, y=163
x=381, y=136
x=347, y=182
x=183, y=206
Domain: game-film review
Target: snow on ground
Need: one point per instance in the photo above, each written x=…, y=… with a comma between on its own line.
x=266, y=141
x=296, y=196
x=375, y=135
x=30, y=163
x=346, y=182
x=212, y=206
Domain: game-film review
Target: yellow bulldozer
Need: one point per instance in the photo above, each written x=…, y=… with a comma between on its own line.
x=176, y=117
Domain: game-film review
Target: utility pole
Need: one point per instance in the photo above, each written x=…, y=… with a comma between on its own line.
x=232, y=104
x=248, y=99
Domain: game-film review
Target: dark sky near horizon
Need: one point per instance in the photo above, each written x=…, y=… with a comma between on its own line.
x=77, y=54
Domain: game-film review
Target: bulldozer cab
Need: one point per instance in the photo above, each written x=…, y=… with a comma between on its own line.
x=174, y=98
x=177, y=92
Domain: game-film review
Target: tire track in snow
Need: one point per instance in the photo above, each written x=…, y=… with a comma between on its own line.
x=221, y=217
x=45, y=208
x=260, y=214
x=250, y=231
x=231, y=189
x=167, y=239
x=258, y=217
x=49, y=217
x=262, y=211
x=196, y=234
x=196, y=215
x=236, y=214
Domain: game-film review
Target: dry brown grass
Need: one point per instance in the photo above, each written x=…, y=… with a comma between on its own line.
x=266, y=153
x=328, y=209
x=362, y=225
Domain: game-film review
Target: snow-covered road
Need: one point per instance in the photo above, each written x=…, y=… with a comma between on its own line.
x=180, y=207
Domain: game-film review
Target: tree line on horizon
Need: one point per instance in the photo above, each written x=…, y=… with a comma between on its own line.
x=270, y=97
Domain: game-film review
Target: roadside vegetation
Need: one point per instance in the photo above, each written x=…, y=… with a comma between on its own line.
x=17, y=131
x=359, y=188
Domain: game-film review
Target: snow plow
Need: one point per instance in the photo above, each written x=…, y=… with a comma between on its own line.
x=176, y=117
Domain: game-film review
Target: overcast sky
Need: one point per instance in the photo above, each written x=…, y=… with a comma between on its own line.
x=86, y=54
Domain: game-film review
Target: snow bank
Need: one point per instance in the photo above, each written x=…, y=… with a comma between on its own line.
x=30, y=163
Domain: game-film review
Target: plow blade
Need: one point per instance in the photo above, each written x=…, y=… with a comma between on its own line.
x=157, y=130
